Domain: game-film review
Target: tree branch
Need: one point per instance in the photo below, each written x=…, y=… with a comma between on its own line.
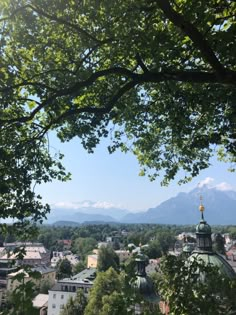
x=89, y=109
x=228, y=78
x=192, y=32
x=24, y=84
x=72, y=91
x=141, y=63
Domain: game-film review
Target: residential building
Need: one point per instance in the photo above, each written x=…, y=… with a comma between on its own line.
x=47, y=274
x=101, y=244
x=5, y=269
x=60, y=293
x=92, y=261
x=40, y=302
x=56, y=256
x=124, y=233
x=35, y=253
x=227, y=238
x=65, y=243
x=184, y=235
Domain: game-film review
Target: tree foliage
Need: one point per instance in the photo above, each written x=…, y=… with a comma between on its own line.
x=114, y=294
x=83, y=245
x=76, y=305
x=19, y=301
x=157, y=78
x=45, y=285
x=195, y=288
x=63, y=269
x=107, y=258
x=107, y=289
x=232, y=232
x=80, y=266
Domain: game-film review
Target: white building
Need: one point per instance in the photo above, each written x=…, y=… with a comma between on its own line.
x=73, y=259
x=40, y=302
x=63, y=289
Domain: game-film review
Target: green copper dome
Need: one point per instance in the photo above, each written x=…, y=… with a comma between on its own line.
x=143, y=284
x=215, y=260
x=203, y=227
x=204, y=252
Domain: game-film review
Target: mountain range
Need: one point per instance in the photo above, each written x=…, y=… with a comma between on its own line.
x=86, y=211
x=220, y=209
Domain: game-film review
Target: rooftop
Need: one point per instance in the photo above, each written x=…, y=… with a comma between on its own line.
x=43, y=269
x=84, y=278
x=28, y=255
x=88, y=273
x=40, y=300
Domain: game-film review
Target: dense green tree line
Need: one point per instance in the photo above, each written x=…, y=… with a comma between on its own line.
x=85, y=238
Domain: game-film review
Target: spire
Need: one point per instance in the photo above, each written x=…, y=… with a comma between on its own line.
x=201, y=208
x=203, y=232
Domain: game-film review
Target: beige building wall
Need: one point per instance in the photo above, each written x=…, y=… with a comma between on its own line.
x=12, y=283
x=50, y=276
x=92, y=261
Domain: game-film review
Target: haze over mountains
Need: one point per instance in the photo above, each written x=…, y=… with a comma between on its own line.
x=85, y=211
x=219, y=202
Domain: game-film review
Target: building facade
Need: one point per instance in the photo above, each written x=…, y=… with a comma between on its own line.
x=66, y=288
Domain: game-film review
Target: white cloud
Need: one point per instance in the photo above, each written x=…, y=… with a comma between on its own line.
x=84, y=204
x=207, y=181
x=64, y=205
x=224, y=186
x=104, y=204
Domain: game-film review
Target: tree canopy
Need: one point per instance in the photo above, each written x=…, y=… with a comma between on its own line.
x=76, y=305
x=64, y=269
x=107, y=289
x=157, y=78
x=181, y=285
x=107, y=258
x=83, y=245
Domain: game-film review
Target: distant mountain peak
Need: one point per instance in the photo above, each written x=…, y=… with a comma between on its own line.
x=219, y=201
x=220, y=208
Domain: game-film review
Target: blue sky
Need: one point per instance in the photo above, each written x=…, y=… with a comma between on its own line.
x=112, y=179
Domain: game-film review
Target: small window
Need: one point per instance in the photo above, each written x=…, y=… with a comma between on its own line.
x=54, y=295
x=53, y=305
x=62, y=296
